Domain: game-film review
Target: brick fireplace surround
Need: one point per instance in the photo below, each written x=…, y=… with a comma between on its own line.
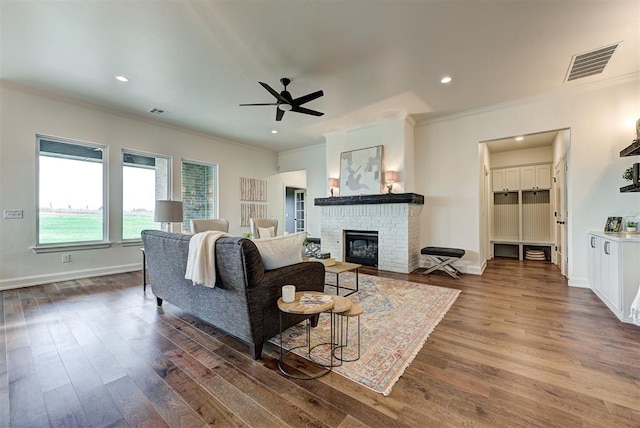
x=396, y=218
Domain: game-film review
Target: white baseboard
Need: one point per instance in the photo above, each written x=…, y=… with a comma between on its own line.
x=476, y=269
x=579, y=282
x=27, y=281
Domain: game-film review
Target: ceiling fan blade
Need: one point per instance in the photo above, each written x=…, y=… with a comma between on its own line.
x=260, y=104
x=274, y=93
x=306, y=98
x=279, y=114
x=299, y=109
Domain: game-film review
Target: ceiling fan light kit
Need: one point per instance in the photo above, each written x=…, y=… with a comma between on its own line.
x=285, y=102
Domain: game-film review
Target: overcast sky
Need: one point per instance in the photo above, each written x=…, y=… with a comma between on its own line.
x=68, y=183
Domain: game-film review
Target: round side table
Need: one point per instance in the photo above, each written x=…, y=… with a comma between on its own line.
x=355, y=311
x=298, y=308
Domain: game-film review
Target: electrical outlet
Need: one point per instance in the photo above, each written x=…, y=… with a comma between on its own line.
x=13, y=214
x=66, y=258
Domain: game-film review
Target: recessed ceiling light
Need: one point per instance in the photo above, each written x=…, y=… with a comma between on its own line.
x=446, y=79
x=274, y=131
x=519, y=138
x=121, y=78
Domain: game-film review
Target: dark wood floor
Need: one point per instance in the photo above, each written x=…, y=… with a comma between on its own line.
x=518, y=348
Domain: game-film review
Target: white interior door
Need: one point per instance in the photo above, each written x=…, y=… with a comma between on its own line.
x=300, y=210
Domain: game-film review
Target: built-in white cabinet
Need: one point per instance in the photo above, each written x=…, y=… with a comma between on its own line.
x=522, y=211
x=506, y=179
x=535, y=177
x=530, y=177
x=614, y=270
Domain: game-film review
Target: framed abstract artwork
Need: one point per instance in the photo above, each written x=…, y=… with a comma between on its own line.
x=361, y=172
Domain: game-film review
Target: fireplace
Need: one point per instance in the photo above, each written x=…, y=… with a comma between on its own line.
x=395, y=216
x=361, y=247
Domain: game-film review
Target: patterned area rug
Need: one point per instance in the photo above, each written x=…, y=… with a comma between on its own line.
x=398, y=318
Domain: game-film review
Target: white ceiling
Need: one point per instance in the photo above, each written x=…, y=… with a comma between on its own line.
x=531, y=141
x=374, y=59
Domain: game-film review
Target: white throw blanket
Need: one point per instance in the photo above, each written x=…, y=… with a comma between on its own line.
x=201, y=262
x=635, y=309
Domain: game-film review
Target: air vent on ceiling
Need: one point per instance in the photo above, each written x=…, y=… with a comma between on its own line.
x=590, y=63
x=158, y=111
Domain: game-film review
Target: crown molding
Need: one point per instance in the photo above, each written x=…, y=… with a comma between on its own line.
x=585, y=87
x=26, y=89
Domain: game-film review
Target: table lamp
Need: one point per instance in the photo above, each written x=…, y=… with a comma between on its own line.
x=167, y=212
x=390, y=177
x=333, y=183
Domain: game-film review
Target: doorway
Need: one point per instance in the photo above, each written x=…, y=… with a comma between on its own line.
x=295, y=209
x=526, y=197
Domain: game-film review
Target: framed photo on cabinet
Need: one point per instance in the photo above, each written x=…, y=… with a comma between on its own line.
x=613, y=224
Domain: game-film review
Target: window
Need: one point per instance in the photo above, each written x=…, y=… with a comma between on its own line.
x=71, y=179
x=145, y=179
x=199, y=191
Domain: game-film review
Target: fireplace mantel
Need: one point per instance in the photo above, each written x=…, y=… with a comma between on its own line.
x=386, y=198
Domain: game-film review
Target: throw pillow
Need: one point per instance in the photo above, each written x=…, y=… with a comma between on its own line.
x=282, y=250
x=266, y=232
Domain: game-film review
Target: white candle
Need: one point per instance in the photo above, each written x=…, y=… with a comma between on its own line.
x=288, y=293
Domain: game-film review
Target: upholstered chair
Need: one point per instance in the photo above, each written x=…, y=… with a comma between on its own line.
x=201, y=225
x=256, y=224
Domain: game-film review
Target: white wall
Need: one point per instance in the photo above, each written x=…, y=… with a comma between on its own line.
x=396, y=137
x=312, y=160
x=601, y=119
x=485, y=208
x=276, y=194
x=522, y=157
x=24, y=114
x=561, y=145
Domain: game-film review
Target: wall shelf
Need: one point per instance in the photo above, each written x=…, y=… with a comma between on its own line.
x=630, y=188
x=632, y=149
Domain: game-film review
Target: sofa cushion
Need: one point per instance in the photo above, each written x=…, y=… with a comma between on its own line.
x=282, y=250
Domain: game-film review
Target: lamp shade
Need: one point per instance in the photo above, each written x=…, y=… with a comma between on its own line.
x=168, y=211
x=391, y=176
x=333, y=182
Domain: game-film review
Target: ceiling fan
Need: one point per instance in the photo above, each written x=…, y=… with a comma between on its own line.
x=285, y=102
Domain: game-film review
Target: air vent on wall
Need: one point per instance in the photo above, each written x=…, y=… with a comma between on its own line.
x=590, y=63
x=157, y=111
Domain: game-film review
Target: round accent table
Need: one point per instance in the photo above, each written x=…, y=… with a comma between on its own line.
x=355, y=311
x=301, y=309
x=341, y=305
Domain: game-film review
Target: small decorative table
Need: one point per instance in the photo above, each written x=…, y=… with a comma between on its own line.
x=341, y=267
x=336, y=305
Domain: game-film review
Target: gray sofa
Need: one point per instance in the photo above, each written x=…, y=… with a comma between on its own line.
x=244, y=301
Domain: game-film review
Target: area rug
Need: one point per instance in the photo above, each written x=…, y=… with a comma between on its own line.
x=398, y=318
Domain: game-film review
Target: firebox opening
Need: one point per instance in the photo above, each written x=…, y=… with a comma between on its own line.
x=361, y=247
